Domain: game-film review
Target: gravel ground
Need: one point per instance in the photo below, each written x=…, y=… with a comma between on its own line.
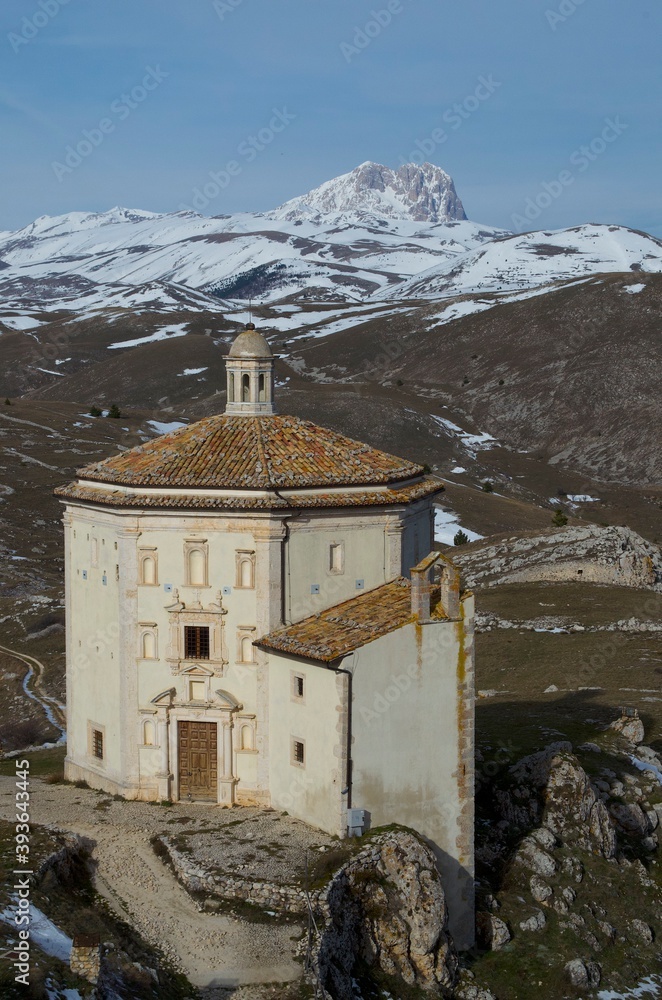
x=253, y=843
x=214, y=951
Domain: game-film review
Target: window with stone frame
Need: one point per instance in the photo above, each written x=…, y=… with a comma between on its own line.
x=245, y=569
x=196, y=642
x=148, y=567
x=298, y=752
x=196, y=558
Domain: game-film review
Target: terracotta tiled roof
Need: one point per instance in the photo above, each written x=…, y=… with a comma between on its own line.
x=117, y=498
x=340, y=630
x=265, y=452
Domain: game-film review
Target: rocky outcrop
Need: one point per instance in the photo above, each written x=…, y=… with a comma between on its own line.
x=630, y=727
x=591, y=554
x=387, y=908
x=551, y=790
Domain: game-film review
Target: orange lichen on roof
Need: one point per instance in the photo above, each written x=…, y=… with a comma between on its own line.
x=265, y=452
x=340, y=630
x=181, y=501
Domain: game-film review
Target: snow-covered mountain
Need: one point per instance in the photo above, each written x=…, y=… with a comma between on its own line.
x=355, y=239
x=536, y=259
x=424, y=194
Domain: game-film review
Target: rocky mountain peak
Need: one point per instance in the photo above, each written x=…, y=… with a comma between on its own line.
x=419, y=193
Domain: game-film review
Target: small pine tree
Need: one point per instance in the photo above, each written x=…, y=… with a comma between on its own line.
x=95, y=411
x=487, y=487
x=114, y=412
x=8, y=402
x=560, y=519
x=461, y=538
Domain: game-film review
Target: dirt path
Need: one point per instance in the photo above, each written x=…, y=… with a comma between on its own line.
x=211, y=949
x=55, y=710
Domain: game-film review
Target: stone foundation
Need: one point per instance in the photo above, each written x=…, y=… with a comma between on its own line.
x=85, y=958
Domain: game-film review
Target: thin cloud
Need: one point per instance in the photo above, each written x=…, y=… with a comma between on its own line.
x=13, y=103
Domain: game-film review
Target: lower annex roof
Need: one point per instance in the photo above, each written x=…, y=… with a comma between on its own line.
x=340, y=630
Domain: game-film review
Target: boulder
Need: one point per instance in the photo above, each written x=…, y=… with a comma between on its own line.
x=493, y=932
x=631, y=728
x=533, y=857
x=630, y=818
x=540, y=891
x=583, y=974
x=535, y=922
x=641, y=931
x=388, y=909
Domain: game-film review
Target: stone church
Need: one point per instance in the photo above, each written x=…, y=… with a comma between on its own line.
x=255, y=617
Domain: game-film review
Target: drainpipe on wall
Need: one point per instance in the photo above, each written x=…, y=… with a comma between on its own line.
x=347, y=790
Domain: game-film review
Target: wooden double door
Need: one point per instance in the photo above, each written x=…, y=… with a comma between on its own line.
x=198, y=761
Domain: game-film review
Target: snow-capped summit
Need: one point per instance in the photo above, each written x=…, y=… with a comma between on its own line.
x=416, y=193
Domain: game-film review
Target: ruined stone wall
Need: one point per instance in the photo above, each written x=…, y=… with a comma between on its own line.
x=613, y=555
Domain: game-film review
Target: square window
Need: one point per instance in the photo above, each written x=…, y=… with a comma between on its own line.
x=97, y=744
x=196, y=642
x=299, y=753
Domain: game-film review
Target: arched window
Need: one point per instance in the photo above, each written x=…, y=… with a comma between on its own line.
x=149, y=570
x=149, y=646
x=246, y=573
x=245, y=388
x=231, y=388
x=262, y=389
x=149, y=734
x=197, y=568
x=246, y=649
x=245, y=569
x=246, y=738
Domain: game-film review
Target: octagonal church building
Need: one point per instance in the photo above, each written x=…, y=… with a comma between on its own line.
x=255, y=617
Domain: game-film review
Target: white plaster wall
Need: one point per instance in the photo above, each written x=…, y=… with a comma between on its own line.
x=412, y=699
x=93, y=653
x=313, y=792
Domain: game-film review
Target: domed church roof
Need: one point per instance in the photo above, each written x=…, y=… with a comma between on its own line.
x=268, y=452
x=250, y=344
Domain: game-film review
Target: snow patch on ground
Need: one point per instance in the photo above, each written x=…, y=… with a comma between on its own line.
x=175, y=330
x=161, y=428
x=21, y=322
x=582, y=498
x=472, y=442
x=651, y=986
x=458, y=470
x=193, y=371
x=634, y=289
x=43, y=933
x=459, y=309
x=643, y=765
x=446, y=526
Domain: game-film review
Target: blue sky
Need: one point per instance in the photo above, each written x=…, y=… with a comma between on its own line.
x=349, y=89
